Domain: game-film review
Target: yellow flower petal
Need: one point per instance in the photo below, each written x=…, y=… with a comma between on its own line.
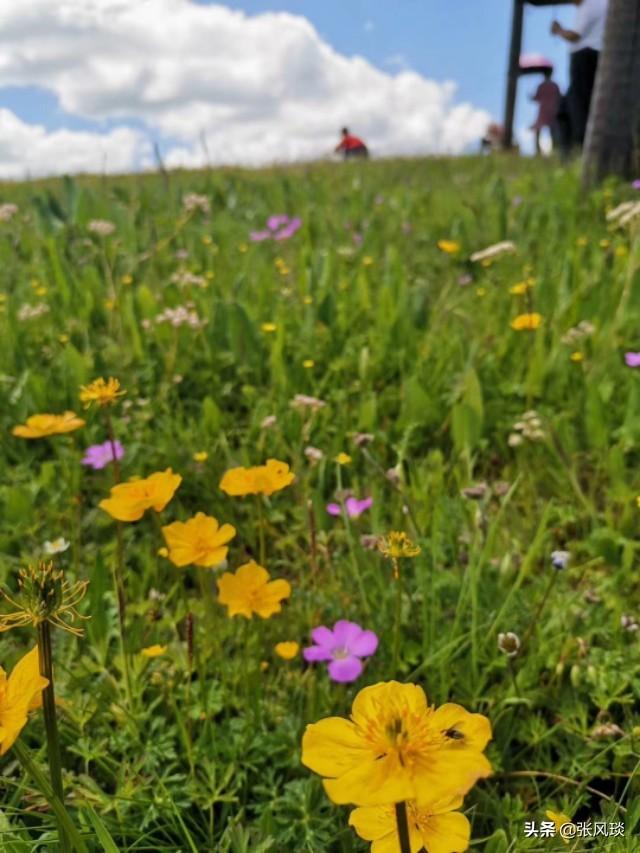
x=200, y=541
x=39, y=426
x=287, y=650
x=129, y=501
x=153, y=651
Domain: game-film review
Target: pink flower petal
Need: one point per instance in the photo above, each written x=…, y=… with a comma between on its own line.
x=334, y=509
x=364, y=645
x=345, y=669
x=344, y=632
x=316, y=653
x=322, y=636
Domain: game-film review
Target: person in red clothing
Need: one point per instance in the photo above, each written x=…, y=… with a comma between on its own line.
x=351, y=146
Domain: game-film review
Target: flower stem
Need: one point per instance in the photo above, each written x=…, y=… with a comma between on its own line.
x=112, y=442
x=118, y=568
x=118, y=584
x=398, y=617
x=403, y=827
x=50, y=722
x=536, y=617
x=261, y=542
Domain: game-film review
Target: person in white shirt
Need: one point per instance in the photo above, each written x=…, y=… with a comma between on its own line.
x=585, y=41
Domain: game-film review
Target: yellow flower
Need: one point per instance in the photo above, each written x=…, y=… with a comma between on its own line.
x=200, y=456
x=268, y=327
x=20, y=693
x=39, y=426
x=559, y=819
x=153, y=651
x=519, y=289
x=250, y=591
x=207, y=240
x=287, y=650
x=163, y=552
x=308, y=300
x=109, y=304
x=129, y=501
x=261, y=480
x=395, y=747
x=481, y=291
x=449, y=247
x=367, y=261
x=200, y=541
x=64, y=339
x=127, y=279
x=604, y=244
x=582, y=241
x=621, y=251
x=638, y=501
x=242, y=248
x=526, y=321
x=308, y=363
x=397, y=544
x=437, y=828
x=41, y=291
x=101, y=392
x=577, y=356
x=342, y=458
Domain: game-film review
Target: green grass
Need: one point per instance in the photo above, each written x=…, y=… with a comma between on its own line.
x=402, y=350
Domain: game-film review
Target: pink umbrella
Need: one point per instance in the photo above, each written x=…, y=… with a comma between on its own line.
x=534, y=63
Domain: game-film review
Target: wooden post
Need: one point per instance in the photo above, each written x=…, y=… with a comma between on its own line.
x=514, y=71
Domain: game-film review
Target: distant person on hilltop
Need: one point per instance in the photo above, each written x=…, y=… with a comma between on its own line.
x=547, y=95
x=351, y=146
x=585, y=43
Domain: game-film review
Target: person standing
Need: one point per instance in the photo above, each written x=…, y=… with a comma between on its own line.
x=547, y=95
x=585, y=42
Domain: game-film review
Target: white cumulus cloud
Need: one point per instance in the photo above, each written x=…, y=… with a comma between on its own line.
x=249, y=89
x=29, y=150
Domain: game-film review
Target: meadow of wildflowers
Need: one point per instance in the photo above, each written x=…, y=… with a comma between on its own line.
x=319, y=510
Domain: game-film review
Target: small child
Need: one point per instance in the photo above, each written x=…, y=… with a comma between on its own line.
x=548, y=97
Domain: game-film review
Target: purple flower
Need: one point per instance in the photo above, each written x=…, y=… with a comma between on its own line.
x=636, y=184
x=343, y=647
x=632, y=359
x=354, y=508
x=279, y=227
x=99, y=455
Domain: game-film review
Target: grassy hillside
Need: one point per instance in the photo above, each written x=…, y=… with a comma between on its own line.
x=491, y=446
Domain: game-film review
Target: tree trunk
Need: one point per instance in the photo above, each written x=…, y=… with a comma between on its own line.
x=613, y=135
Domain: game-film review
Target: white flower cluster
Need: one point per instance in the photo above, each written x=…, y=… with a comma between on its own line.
x=181, y=315
x=492, y=252
x=193, y=201
x=184, y=278
x=30, y=312
x=528, y=428
x=584, y=329
x=101, y=227
x=624, y=213
x=7, y=211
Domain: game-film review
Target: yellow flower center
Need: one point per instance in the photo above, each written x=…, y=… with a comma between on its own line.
x=399, y=731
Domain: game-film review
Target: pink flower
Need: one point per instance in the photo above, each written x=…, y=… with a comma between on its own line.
x=343, y=647
x=279, y=227
x=636, y=184
x=632, y=359
x=353, y=507
x=99, y=455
